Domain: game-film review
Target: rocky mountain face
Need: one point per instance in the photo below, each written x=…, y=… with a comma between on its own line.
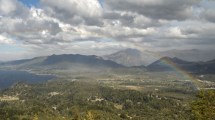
x=132, y=57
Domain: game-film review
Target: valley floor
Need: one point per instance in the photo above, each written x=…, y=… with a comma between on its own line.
x=131, y=95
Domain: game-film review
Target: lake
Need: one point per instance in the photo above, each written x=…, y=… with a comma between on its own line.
x=8, y=78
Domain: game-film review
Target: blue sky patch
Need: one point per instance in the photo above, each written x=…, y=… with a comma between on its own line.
x=30, y=3
x=101, y=2
x=10, y=48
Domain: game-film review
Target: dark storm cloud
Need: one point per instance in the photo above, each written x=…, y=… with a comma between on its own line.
x=156, y=9
x=209, y=15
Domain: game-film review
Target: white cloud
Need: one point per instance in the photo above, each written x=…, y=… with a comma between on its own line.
x=80, y=26
x=7, y=6
x=5, y=39
x=13, y=8
x=74, y=11
x=89, y=8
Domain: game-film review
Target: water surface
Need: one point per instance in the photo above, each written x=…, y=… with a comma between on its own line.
x=8, y=78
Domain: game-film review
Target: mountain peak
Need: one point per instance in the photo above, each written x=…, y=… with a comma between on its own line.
x=132, y=57
x=165, y=58
x=68, y=60
x=131, y=50
x=76, y=62
x=173, y=60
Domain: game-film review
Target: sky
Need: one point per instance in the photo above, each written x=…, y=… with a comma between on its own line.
x=30, y=28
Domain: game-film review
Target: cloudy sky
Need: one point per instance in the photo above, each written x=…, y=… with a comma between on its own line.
x=31, y=28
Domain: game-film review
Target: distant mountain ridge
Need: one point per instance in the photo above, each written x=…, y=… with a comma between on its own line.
x=169, y=64
x=77, y=62
x=133, y=57
x=194, y=55
x=64, y=61
x=91, y=60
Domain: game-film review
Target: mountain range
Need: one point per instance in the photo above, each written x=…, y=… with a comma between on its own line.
x=133, y=57
x=194, y=55
x=66, y=61
x=129, y=58
x=169, y=64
